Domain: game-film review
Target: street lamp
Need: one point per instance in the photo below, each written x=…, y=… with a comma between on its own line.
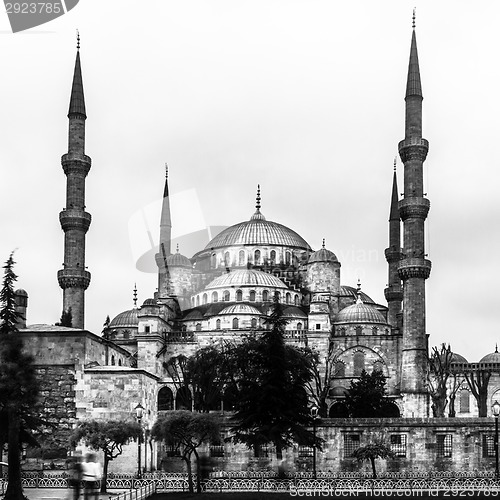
x=139, y=410
x=495, y=408
x=314, y=416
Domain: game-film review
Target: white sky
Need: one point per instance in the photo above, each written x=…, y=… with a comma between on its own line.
x=305, y=97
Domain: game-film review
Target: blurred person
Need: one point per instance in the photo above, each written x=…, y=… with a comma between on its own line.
x=92, y=473
x=75, y=476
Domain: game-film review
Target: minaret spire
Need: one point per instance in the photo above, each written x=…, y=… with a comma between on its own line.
x=75, y=221
x=165, y=242
x=414, y=268
x=257, y=215
x=393, y=292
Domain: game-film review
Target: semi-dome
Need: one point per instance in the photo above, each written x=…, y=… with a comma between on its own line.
x=246, y=277
x=126, y=319
x=360, y=313
x=493, y=357
x=194, y=315
x=149, y=302
x=294, y=312
x=457, y=358
x=322, y=255
x=240, y=309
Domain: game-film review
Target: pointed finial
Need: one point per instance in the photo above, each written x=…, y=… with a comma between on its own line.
x=166, y=170
x=496, y=347
x=177, y=247
x=358, y=292
x=323, y=242
x=413, y=18
x=257, y=205
x=135, y=294
x=77, y=40
x=395, y=163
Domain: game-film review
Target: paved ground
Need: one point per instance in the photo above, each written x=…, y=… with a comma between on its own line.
x=61, y=494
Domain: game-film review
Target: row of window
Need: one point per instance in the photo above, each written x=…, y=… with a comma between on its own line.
x=359, y=330
x=359, y=366
x=226, y=297
x=257, y=257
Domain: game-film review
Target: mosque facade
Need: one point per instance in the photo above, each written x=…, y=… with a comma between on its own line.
x=225, y=291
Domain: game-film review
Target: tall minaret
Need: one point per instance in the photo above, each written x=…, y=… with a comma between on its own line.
x=164, y=248
x=75, y=221
x=414, y=269
x=394, y=292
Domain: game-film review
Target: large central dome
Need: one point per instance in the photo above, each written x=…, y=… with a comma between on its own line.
x=258, y=231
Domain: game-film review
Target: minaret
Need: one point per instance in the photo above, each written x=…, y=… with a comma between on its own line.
x=414, y=269
x=394, y=292
x=75, y=221
x=164, y=247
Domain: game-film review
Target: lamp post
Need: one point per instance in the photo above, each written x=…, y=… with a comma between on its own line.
x=138, y=413
x=314, y=416
x=495, y=408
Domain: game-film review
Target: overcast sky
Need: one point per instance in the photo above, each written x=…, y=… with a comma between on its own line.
x=304, y=97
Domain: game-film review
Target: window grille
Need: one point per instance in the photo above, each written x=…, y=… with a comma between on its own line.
x=464, y=401
x=306, y=451
x=444, y=446
x=398, y=444
x=172, y=451
x=217, y=450
x=351, y=443
x=488, y=445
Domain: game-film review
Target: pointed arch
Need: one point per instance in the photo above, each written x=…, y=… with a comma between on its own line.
x=165, y=399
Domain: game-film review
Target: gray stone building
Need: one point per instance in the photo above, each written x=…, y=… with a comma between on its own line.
x=225, y=291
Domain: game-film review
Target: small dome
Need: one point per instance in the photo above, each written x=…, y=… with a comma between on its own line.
x=126, y=319
x=240, y=309
x=294, y=312
x=149, y=302
x=456, y=358
x=350, y=291
x=246, y=277
x=322, y=255
x=178, y=260
x=360, y=313
x=22, y=292
x=193, y=315
x=493, y=357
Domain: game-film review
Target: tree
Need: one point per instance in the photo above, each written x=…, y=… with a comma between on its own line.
x=66, y=319
x=18, y=383
x=478, y=379
x=186, y=431
x=108, y=436
x=366, y=397
x=438, y=373
x=370, y=452
x=272, y=402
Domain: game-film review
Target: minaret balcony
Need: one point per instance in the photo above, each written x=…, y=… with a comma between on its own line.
x=393, y=293
x=413, y=148
x=414, y=207
x=73, y=278
x=75, y=219
x=393, y=254
x=76, y=163
x=414, y=267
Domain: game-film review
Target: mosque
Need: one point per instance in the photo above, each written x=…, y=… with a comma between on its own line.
x=225, y=291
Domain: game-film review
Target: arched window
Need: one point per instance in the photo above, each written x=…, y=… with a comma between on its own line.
x=197, y=300
x=217, y=324
x=241, y=258
x=339, y=370
x=288, y=258
x=378, y=366
x=183, y=400
x=119, y=362
x=113, y=360
x=227, y=259
x=215, y=297
x=213, y=261
x=205, y=298
x=265, y=296
x=165, y=399
x=198, y=327
x=287, y=298
x=359, y=363
x=359, y=330
x=225, y=296
x=299, y=326
x=192, y=301
x=239, y=295
x=464, y=401
x=273, y=256
x=252, y=296
x=296, y=300
x=254, y=323
x=256, y=257
x=235, y=323
x=374, y=330
x=278, y=296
